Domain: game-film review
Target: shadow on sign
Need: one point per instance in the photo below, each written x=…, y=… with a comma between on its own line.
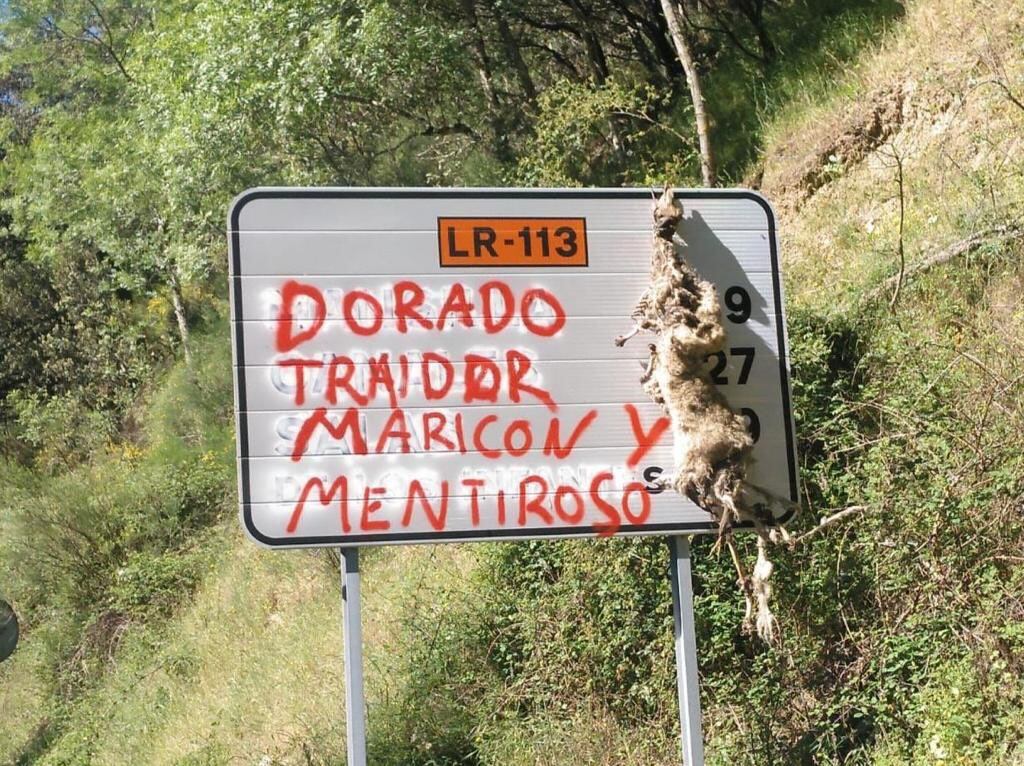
x=704, y=250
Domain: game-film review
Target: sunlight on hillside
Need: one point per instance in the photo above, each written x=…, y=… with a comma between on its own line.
x=252, y=667
x=904, y=631
x=948, y=122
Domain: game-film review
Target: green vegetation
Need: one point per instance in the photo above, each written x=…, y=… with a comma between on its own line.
x=154, y=633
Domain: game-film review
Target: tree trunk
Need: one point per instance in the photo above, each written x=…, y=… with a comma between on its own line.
x=179, y=314
x=482, y=61
x=486, y=74
x=657, y=32
x=675, y=28
x=598, y=68
x=515, y=57
x=595, y=55
x=754, y=11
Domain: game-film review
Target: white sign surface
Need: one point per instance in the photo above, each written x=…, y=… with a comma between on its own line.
x=438, y=364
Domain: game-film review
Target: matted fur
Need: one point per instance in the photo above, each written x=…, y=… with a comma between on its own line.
x=711, y=442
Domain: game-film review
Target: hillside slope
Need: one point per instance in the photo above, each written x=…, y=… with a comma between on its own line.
x=904, y=628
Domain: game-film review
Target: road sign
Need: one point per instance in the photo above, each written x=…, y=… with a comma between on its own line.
x=439, y=365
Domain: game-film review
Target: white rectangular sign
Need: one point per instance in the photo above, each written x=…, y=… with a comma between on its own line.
x=438, y=364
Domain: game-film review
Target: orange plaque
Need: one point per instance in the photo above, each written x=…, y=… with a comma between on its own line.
x=512, y=242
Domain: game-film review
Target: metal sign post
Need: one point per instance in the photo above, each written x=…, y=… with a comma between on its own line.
x=685, y=640
x=686, y=651
x=352, y=634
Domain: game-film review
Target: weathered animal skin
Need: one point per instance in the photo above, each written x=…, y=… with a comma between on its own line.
x=711, y=442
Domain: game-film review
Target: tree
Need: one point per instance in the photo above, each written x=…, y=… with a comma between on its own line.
x=736, y=20
x=686, y=58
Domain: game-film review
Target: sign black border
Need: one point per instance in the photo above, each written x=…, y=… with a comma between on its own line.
x=242, y=434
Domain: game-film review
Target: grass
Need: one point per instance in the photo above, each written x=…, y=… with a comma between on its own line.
x=960, y=146
x=27, y=692
x=904, y=630
x=251, y=665
x=818, y=40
